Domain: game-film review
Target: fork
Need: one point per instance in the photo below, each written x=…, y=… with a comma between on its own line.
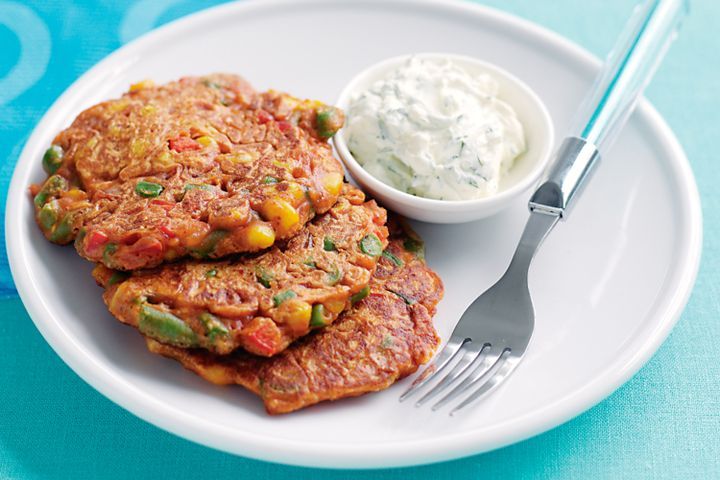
x=494, y=332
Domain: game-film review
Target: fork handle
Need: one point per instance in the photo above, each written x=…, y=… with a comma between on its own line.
x=625, y=73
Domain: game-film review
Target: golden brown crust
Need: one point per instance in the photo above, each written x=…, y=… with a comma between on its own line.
x=230, y=170
x=383, y=338
x=263, y=302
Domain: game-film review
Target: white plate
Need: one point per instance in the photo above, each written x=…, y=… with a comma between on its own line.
x=608, y=284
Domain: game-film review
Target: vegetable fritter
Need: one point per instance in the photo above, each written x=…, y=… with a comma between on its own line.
x=382, y=338
x=262, y=302
x=200, y=167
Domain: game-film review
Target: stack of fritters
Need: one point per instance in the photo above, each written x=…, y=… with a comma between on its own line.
x=211, y=169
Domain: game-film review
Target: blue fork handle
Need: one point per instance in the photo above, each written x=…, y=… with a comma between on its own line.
x=627, y=70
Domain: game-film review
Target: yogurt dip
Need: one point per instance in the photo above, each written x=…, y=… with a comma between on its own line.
x=433, y=129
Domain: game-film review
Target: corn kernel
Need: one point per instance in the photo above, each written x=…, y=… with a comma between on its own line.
x=279, y=211
x=164, y=160
x=260, y=235
x=117, y=105
x=148, y=110
x=296, y=192
x=140, y=85
x=335, y=306
x=244, y=157
x=138, y=147
x=296, y=314
x=333, y=183
x=75, y=194
x=205, y=141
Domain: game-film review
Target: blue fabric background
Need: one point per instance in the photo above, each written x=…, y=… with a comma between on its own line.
x=664, y=423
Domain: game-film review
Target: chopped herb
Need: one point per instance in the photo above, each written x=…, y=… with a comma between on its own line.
x=208, y=245
x=211, y=84
x=329, y=244
x=263, y=277
x=282, y=296
x=415, y=246
x=310, y=263
x=408, y=300
x=117, y=277
x=110, y=249
x=387, y=341
x=269, y=180
x=389, y=255
x=202, y=186
x=211, y=273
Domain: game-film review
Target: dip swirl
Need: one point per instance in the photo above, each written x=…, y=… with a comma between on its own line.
x=433, y=129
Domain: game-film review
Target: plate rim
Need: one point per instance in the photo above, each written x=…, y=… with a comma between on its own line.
x=382, y=454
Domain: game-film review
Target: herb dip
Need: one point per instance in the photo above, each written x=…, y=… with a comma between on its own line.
x=433, y=129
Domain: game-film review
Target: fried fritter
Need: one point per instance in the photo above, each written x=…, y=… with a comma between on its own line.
x=262, y=302
x=203, y=167
x=382, y=338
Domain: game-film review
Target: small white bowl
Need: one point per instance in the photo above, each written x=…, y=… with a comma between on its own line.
x=524, y=174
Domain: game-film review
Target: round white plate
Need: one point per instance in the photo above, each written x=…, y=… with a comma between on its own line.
x=608, y=284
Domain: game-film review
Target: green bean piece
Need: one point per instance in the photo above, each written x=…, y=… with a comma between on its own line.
x=148, y=189
x=415, y=246
x=371, y=245
x=269, y=180
x=208, y=245
x=389, y=255
x=263, y=276
x=211, y=84
x=329, y=244
x=408, y=300
x=282, y=296
x=310, y=263
x=360, y=295
x=53, y=186
x=63, y=230
x=108, y=252
x=52, y=159
x=48, y=215
x=118, y=277
x=214, y=328
x=317, y=317
x=328, y=122
x=166, y=327
x=333, y=277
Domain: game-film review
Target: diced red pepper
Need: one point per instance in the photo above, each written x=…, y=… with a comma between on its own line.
x=284, y=126
x=148, y=246
x=264, y=117
x=162, y=203
x=130, y=238
x=166, y=230
x=94, y=240
x=184, y=144
x=262, y=340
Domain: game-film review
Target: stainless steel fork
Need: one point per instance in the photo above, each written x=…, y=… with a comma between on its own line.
x=494, y=332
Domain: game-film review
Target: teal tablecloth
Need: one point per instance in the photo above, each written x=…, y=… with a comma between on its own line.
x=665, y=422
